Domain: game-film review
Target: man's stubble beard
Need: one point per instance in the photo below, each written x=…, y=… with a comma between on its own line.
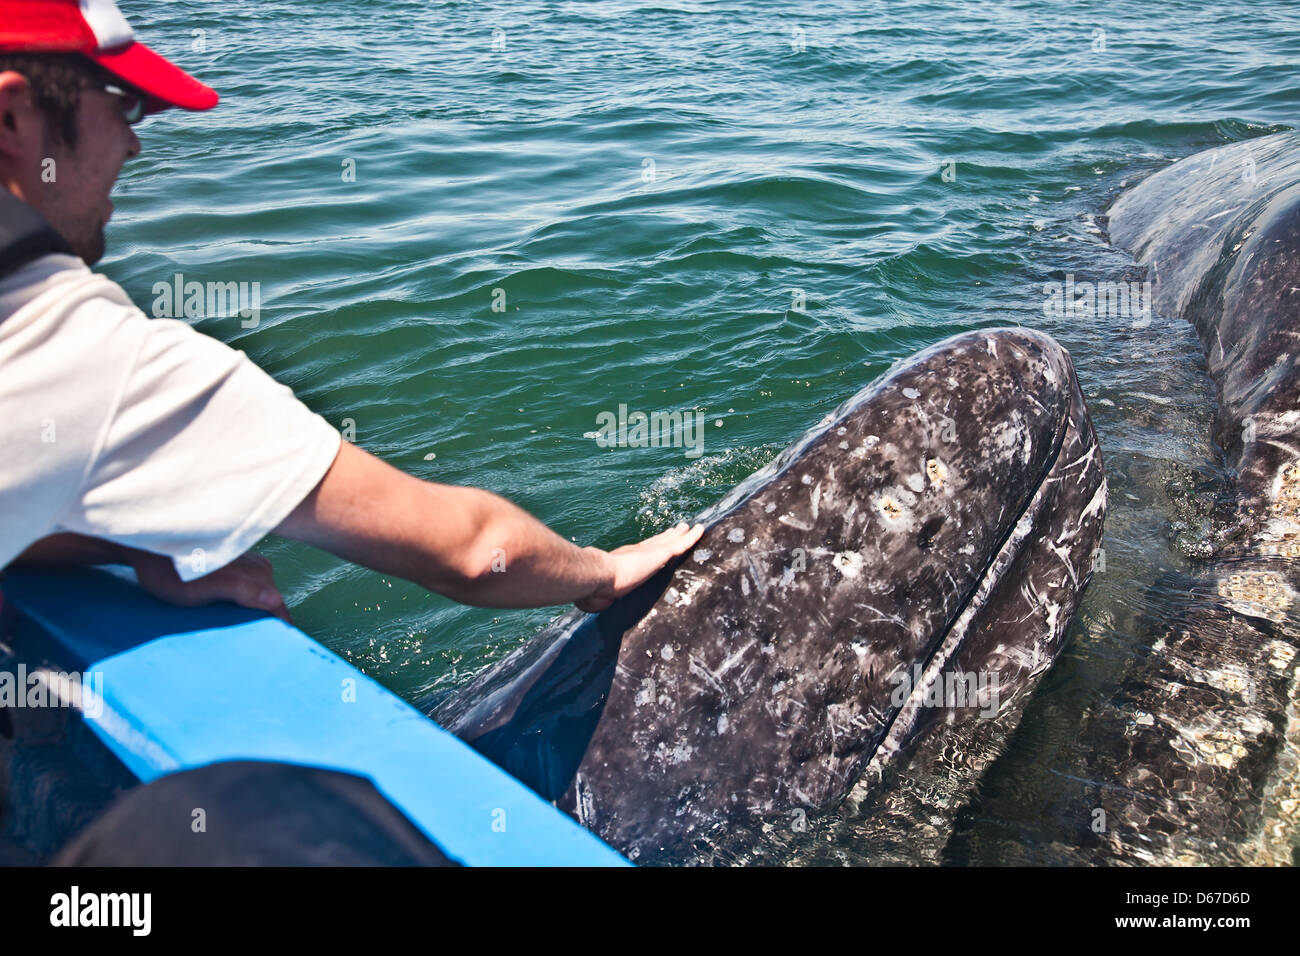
x=91, y=250
x=85, y=239
x=87, y=243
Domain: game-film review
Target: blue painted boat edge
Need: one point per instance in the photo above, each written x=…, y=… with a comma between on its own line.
x=167, y=691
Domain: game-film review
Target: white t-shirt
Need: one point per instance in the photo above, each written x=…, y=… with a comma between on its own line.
x=141, y=431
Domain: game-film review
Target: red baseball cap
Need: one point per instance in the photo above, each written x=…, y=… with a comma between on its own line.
x=96, y=29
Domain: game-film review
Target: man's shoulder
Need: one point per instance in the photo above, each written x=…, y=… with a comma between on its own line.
x=56, y=279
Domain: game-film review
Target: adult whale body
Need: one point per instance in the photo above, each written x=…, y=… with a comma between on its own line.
x=911, y=562
x=1195, y=758
x=1220, y=234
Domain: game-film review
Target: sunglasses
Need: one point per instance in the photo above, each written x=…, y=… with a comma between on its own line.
x=131, y=104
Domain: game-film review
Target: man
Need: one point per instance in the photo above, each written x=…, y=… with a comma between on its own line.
x=125, y=439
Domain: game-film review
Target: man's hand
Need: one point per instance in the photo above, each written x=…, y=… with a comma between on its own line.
x=636, y=563
x=466, y=543
x=247, y=581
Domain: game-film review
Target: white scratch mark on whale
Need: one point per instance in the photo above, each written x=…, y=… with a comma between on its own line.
x=731, y=661
x=881, y=616
x=701, y=670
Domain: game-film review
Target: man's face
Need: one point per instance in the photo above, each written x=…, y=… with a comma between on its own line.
x=76, y=201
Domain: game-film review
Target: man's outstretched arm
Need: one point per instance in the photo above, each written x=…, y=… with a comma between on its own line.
x=456, y=540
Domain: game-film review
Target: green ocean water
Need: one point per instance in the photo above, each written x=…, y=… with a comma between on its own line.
x=743, y=209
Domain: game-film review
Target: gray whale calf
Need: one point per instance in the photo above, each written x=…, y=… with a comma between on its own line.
x=1195, y=758
x=911, y=563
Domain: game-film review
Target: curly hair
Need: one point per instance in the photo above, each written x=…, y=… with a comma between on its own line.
x=56, y=81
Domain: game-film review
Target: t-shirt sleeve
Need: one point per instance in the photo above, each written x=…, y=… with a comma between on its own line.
x=201, y=453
